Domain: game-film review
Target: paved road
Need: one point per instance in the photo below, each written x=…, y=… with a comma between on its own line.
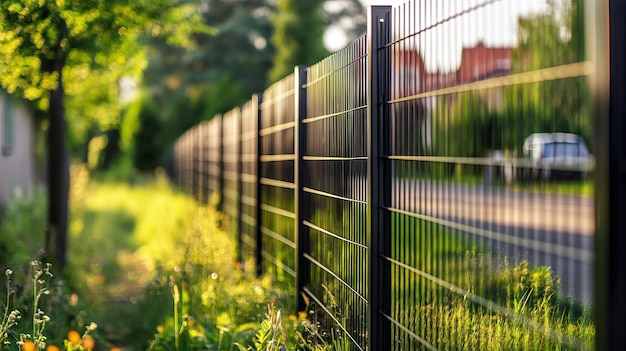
x=549, y=229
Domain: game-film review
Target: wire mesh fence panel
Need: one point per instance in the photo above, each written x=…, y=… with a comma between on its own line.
x=199, y=176
x=335, y=171
x=277, y=220
x=178, y=156
x=249, y=171
x=491, y=216
x=212, y=158
x=185, y=168
x=231, y=124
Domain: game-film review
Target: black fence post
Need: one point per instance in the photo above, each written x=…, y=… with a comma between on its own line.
x=607, y=52
x=378, y=35
x=258, y=212
x=301, y=206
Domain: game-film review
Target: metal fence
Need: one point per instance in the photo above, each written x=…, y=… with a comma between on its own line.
x=434, y=184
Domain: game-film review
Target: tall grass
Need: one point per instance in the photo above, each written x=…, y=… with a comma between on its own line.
x=158, y=269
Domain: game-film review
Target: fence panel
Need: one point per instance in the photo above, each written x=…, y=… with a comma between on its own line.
x=213, y=157
x=199, y=155
x=335, y=164
x=491, y=213
x=249, y=181
x=277, y=179
x=231, y=163
x=184, y=161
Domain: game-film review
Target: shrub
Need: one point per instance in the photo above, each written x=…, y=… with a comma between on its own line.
x=140, y=134
x=22, y=228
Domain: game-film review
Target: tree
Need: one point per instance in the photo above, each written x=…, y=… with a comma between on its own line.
x=48, y=45
x=298, y=35
x=350, y=16
x=228, y=65
x=551, y=39
x=223, y=71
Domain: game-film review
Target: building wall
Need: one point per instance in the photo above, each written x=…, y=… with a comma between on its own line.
x=17, y=141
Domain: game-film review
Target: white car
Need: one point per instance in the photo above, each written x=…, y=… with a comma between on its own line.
x=552, y=155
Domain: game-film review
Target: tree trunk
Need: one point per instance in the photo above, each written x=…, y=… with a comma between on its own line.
x=58, y=169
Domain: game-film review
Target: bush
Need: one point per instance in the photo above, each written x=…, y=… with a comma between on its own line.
x=22, y=228
x=140, y=135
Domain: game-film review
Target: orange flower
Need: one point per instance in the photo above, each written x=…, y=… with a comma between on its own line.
x=52, y=348
x=88, y=343
x=115, y=349
x=28, y=346
x=302, y=314
x=73, y=337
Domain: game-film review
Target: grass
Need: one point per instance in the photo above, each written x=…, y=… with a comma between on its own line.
x=474, y=175
x=149, y=251
x=458, y=295
x=574, y=187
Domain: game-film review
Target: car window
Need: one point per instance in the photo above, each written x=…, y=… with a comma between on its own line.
x=564, y=150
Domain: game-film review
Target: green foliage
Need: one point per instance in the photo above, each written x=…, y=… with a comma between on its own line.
x=97, y=42
x=554, y=38
x=22, y=228
x=47, y=47
x=348, y=15
x=270, y=335
x=298, y=32
x=474, y=124
x=223, y=96
x=140, y=133
x=223, y=71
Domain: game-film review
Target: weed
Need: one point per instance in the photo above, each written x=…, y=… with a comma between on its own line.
x=32, y=337
x=9, y=319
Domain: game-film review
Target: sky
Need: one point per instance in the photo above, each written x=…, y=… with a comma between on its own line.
x=495, y=25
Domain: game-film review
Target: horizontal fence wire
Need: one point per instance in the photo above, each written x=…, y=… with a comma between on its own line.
x=430, y=189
